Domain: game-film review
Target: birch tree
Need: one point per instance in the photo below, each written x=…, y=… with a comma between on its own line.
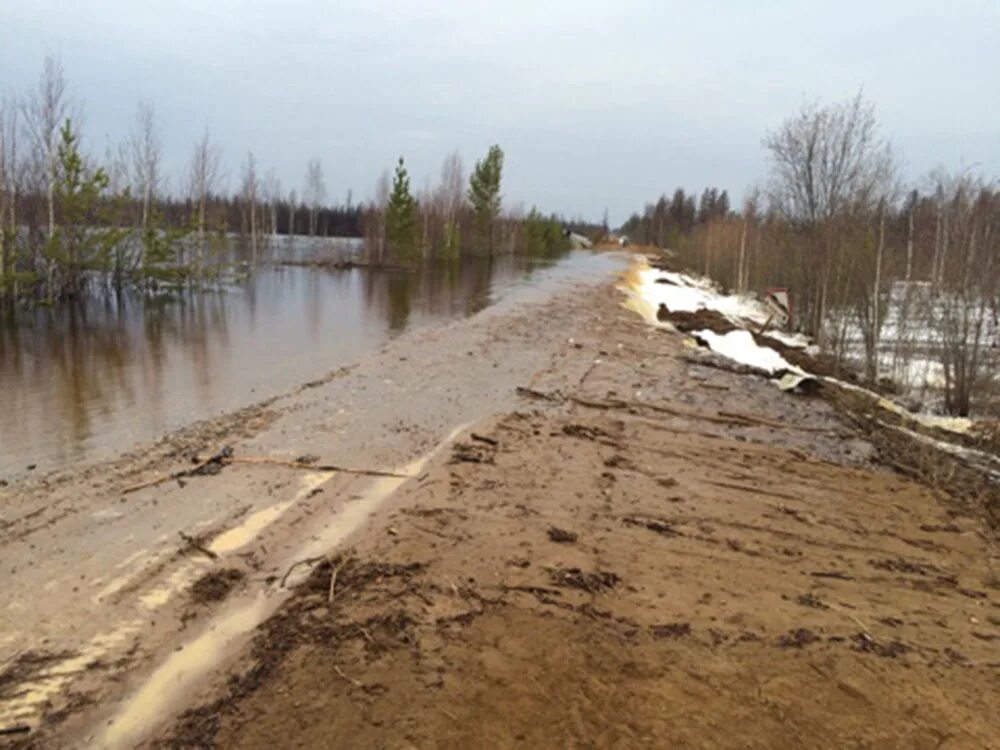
x=8, y=194
x=45, y=111
x=315, y=192
x=144, y=159
x=203, y=174
x=250, y=194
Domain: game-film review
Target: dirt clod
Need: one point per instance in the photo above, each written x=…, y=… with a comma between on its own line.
x=215, y=585
x=561, y=536
x=593, y=582
x=797, y=638
x=671, y=630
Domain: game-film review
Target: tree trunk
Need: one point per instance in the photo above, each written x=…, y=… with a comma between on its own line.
x=873, y=364
x=909, y=246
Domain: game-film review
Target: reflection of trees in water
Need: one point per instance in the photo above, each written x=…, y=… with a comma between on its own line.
x=399, y=289
x=442, y=288
x=111, y=370
x=94, y=357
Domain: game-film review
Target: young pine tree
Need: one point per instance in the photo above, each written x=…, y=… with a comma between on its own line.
x=401, y=217
x=484, y=194
x=86, y=236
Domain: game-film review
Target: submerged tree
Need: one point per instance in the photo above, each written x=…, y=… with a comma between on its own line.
x=314, y=193
x=484, y=194
x=85, y=235
x=543, y=237
x=203, y=174
x=400, y=216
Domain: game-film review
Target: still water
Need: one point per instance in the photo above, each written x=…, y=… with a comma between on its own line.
x=89, y=380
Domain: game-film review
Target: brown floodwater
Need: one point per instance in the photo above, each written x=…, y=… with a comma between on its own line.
x=88, y=380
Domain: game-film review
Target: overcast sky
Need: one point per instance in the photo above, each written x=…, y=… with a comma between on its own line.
x=596, y=104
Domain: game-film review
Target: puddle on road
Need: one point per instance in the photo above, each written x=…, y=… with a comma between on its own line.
x=174, y=680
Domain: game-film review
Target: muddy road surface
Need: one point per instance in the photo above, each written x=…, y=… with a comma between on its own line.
x=591, y=535
x=97, y=572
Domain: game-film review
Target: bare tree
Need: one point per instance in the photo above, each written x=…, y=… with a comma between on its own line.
x=450, y=199
x=826, y=163
x=272, y=196
x=203, y=174
x=250, y=194
x=375, y=229
x=8, y=191
x=45, y=110
x=452, y=189
x=143, y=154
x=315, y=192
x=293, y=200
x=969, y=285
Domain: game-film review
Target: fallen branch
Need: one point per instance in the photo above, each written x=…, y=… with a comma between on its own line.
x=353, y=682
x=297, y=563
x=532, y=393
x=588, y=373
x=484, y=439
x=16, y=729
x=193, y=543
x=315, y=466
x=209, y=466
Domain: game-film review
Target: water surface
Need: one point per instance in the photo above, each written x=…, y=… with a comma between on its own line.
x=89, y=380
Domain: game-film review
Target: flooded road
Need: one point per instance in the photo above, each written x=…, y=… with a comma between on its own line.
x=90, y=380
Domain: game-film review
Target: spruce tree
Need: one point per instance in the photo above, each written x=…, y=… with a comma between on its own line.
x=484, y=194
x=400, y=217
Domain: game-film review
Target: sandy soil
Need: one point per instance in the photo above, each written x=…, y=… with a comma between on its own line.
x=578, y=576
x=637, y=549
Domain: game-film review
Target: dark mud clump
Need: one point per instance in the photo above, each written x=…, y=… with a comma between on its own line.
x=890, y=650
x=699, y=320
x=811, y=600
x=216, y=585
x=797, y=638
x=562, y=536
x=660, y=526
x=574, y=578
x=671, y=630
x=473, y=453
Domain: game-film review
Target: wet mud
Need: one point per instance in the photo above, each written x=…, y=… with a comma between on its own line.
x=616, y=565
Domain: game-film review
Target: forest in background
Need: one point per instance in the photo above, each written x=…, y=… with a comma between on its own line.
x=900, y=280
x=73, y=224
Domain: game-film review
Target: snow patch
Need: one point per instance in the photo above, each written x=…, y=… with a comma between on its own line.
x=740, y=346
x=682, y=293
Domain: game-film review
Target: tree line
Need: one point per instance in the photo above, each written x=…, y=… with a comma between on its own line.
x=461, y=215
x=71, y=222
x=881, y=274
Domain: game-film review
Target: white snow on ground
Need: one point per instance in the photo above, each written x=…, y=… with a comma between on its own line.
x=686, y=294
x=794, y=340
x=740, y=346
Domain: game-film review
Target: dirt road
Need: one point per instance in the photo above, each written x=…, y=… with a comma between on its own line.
x=634, y=550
